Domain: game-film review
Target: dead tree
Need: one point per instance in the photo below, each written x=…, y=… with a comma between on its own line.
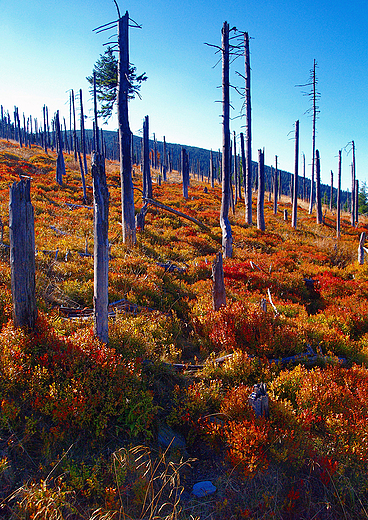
x=22, y=254
x=261, y=191
x=361, y=249
x=318, y=189
x=147, y=179
x=212, y=175
x=185, y=172
x=248, y=135
x=296, y=173
x=275, y=188
x=353, y=186
x=338, y=198
x=125, y=135
x=331, y=192
x=227, y=238
x=164, y=162
x=304, y=190
x=314, y=96
x=356, y=201
x=218, y=286
x=60, y=164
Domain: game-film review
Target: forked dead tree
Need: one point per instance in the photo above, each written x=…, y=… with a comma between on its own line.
x=22, y=254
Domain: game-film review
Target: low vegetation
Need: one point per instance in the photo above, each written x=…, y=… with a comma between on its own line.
x=86, y=429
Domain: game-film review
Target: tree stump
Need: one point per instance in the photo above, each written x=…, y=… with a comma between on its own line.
x=101, y=247
x=218, y=288
x=22, y=254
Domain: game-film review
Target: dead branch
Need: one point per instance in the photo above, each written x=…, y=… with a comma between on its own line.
x=175, y=212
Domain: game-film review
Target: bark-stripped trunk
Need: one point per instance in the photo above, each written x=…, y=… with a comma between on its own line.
x=60, y=164
x=314, y=79
x=331, y=192
x=164, y=162
x=101, y=247
x=218, y=287
x=227, y=239
x=248, y=135
x=212, y=173
x=353, y=186
x=296, y=173
x=338, y=198
x=356, y=204
x=318, y=189
x=147, y=180
x=22, y=254
x=261, y=191
x=185, y=171
x=125, y=136
x=304, y=190
x=275, y=188
x=361, y=249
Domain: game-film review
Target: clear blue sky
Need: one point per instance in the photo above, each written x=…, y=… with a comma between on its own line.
x=48, y=47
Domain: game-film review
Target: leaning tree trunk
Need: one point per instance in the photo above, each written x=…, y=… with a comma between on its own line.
x=296, y=173
x=261, y=191
x=101, y=247
x=218, y=287
x=125, y=136
x=338, y=198
x=247, y=168
x=318, y=189
x=22, y=254
x=275, y=188
x=227, y=239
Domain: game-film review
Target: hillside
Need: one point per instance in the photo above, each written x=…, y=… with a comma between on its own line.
x=124, y=430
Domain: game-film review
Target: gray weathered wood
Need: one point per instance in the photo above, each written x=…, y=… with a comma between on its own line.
x=318, y=189
x=146, y=173
x=296, y=173
x=218, y=287
x=125, y=135
x=60, y=164
x=261, y=190
x=101, y=247
x=22, y=254
x=275, y=188
x=331, y=192
x=227, y=238
x=175, y=212
x=185, y=171
x=248, y=135
x=353, y=186
x=361, y=249
x=338, y=198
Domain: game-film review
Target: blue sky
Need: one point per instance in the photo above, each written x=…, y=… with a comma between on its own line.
x=48, y=47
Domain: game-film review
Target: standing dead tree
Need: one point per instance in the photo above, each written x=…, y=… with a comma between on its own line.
x=261, y=191
x=248, y=134
x=296, y=173
x=185, y=172
x=118, y=82
x=275, y=188
x=318, y=189
x=22, y=254
x=338, y=198
x=361, y=249
x=314, y=96
x=218, y=287
x=353, y=178
x=60, y=164
x=331, y=192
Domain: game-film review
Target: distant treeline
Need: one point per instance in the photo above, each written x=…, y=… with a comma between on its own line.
x=28, y=132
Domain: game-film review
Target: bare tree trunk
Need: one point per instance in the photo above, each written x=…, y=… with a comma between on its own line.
x=218, y=287
x=275, y=188
x=22, y=254
x=125, y=136
x=185, y=172
x=44, y=129
x=60, y=164
x=261, y=190
x=147, y=179
x=361, y=249
x=248, y=135
x=314, y=80
x=331, y=192
x=318, y=189
x=338, y=198
x=304, y=191
x=101, y=247
x=212, y=176
x=236, y=173
x=296, y=173
x=164, y=162
x=83, y=136
x=356, y=204
x=227, y=239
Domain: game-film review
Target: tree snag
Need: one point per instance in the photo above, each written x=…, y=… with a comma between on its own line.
x=218, y=287
x=22, y=254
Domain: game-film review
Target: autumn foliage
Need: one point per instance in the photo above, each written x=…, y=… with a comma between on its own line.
x=69, y=401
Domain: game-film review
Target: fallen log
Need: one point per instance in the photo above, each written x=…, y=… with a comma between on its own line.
x=174, y=211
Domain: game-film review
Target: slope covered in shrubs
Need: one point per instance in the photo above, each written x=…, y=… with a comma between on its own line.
x=75, y=414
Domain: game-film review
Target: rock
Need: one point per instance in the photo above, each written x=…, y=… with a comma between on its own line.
x=201, y=489
x=167, y=437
